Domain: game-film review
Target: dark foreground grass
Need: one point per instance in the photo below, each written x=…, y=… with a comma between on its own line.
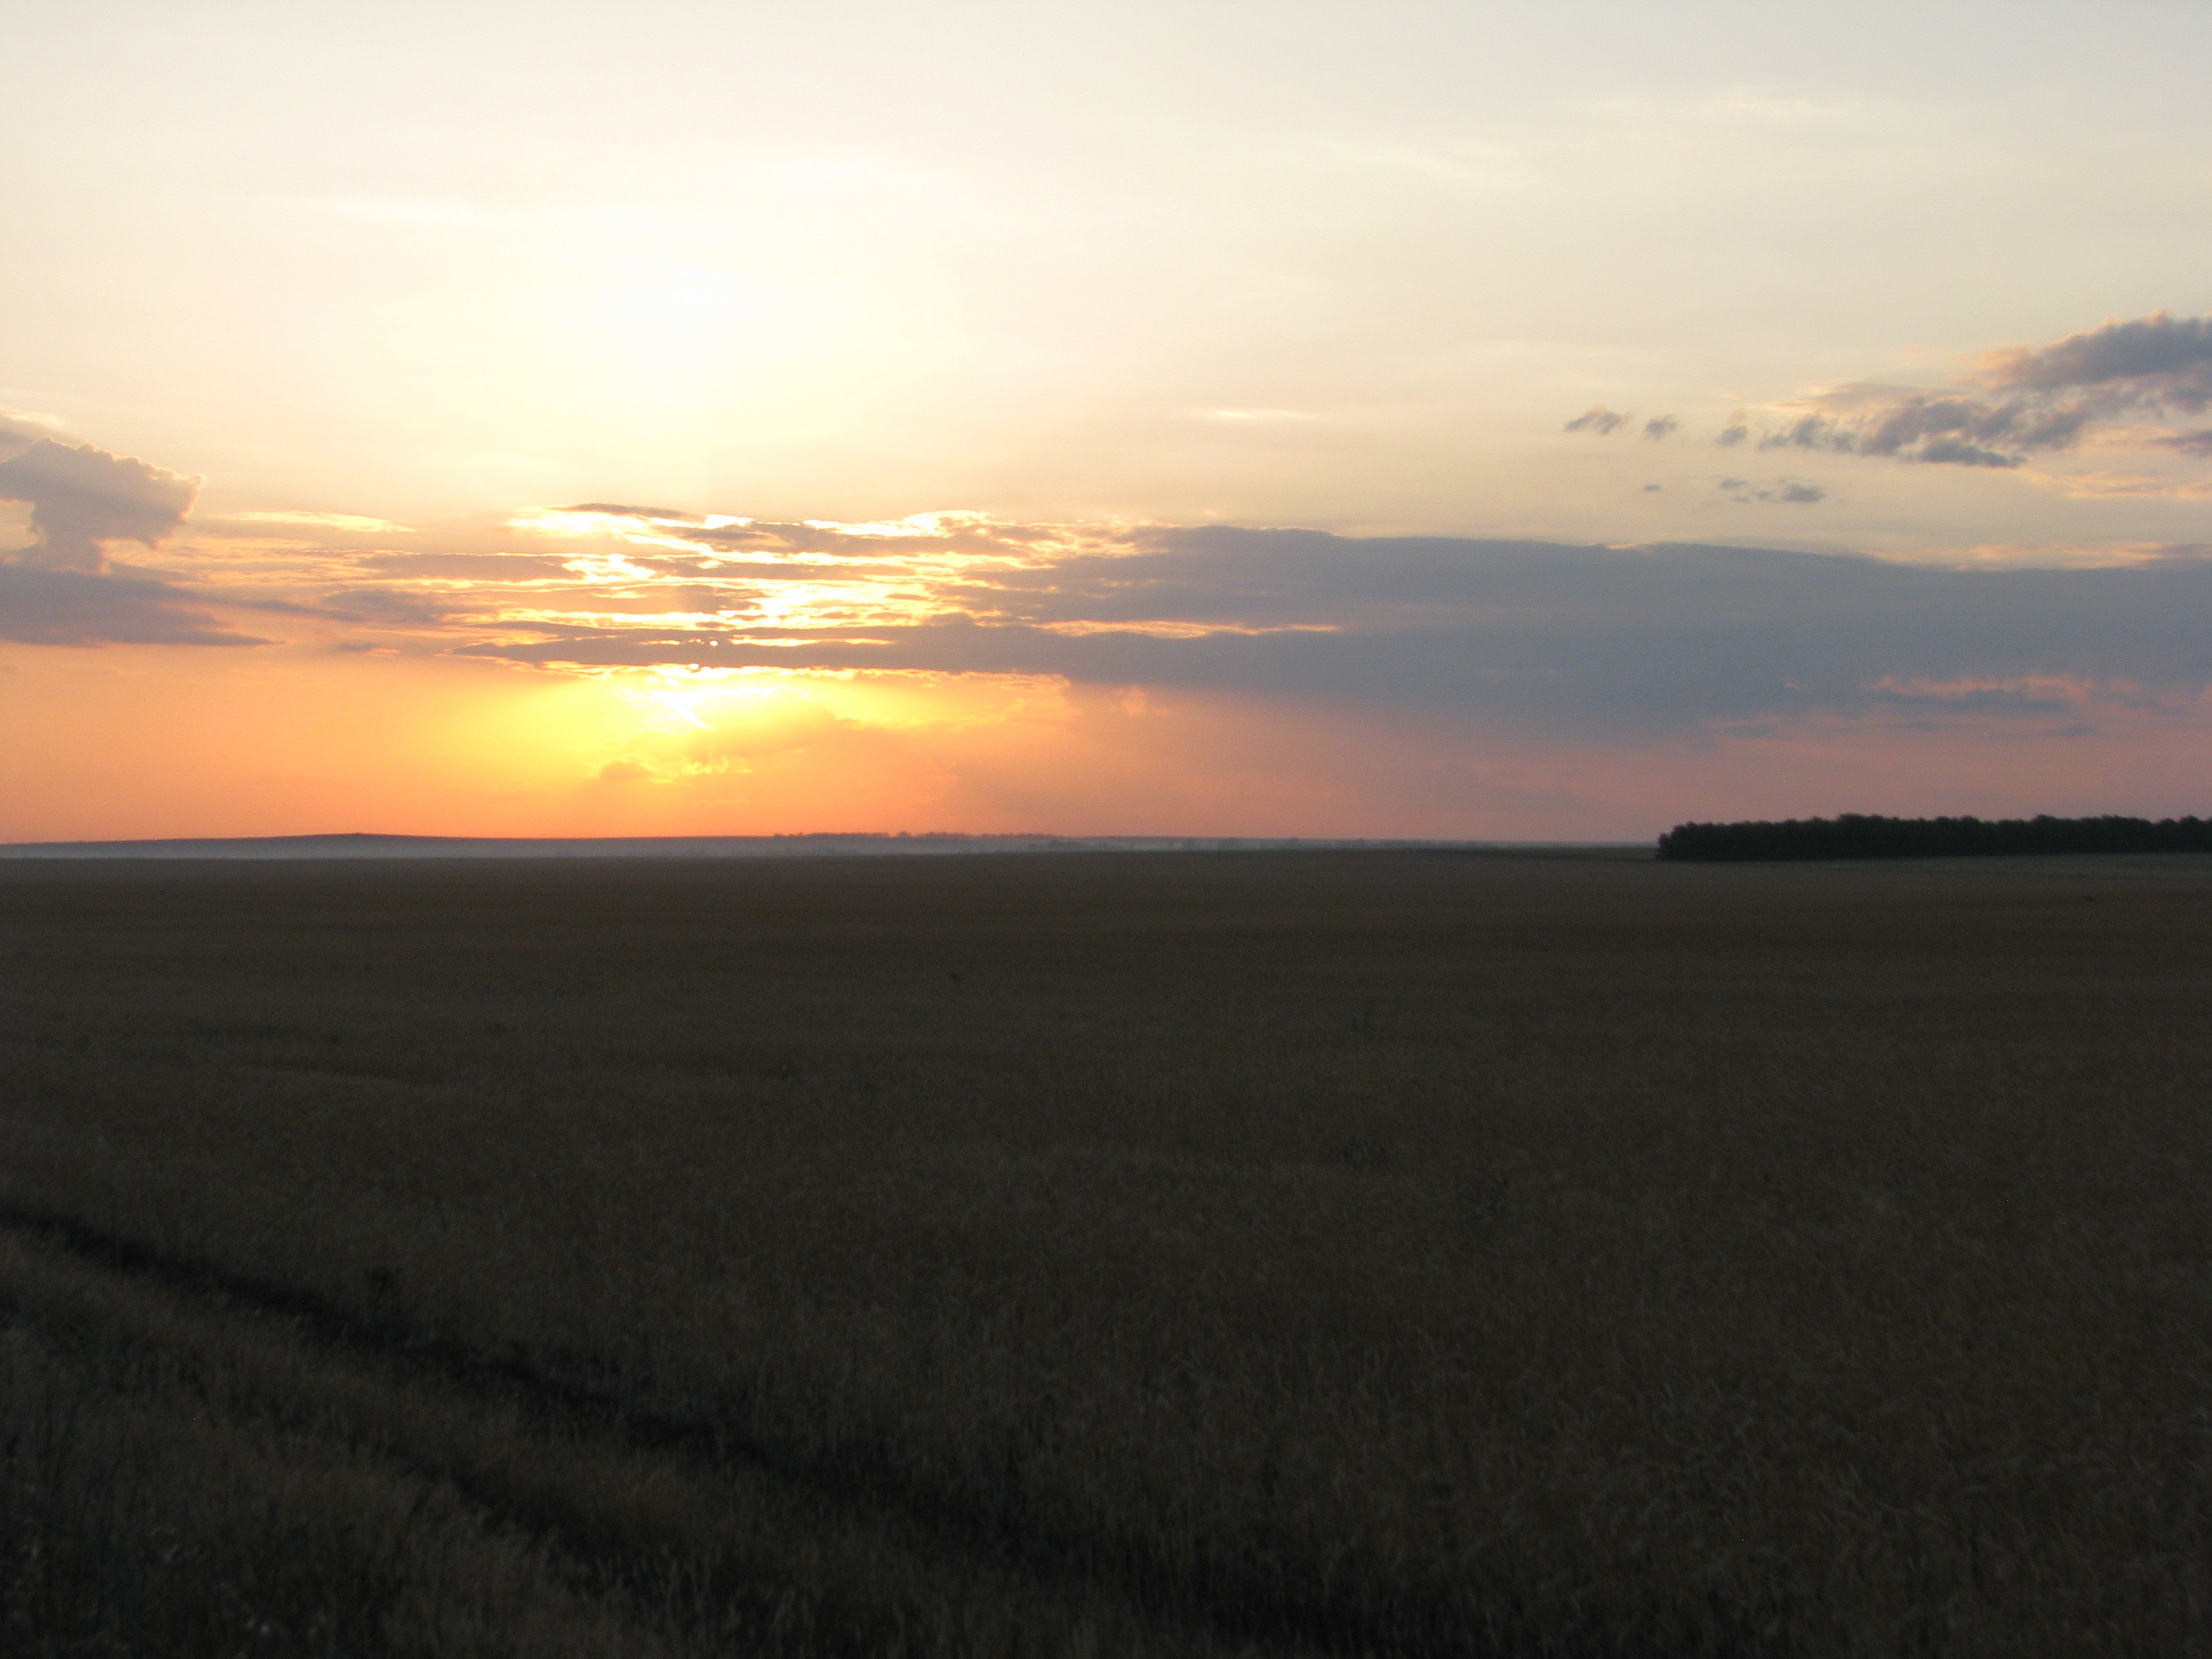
x=1345, y=1254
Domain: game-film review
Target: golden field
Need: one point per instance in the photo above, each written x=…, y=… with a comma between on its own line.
x=1335, y=1253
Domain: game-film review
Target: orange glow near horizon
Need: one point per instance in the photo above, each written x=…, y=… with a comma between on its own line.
x=142, y=743
x=128, y=743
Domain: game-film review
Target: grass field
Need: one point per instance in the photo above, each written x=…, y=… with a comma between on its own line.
x=1332, y=1254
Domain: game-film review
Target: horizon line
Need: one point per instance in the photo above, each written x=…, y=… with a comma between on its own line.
x=371, y=844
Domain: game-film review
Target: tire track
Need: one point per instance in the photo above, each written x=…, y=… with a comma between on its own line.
x=873, y=1581
x=1215, y=1603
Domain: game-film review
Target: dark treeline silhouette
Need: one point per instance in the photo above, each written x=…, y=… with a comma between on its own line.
x=1860, y=836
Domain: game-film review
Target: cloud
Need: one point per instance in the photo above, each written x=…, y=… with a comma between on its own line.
x=59, y=590
x=1957, y=452
x=2159, y=358
x=2104, y=383
x=1661, y=426
x=1561, y=641
x=349, y=521
x=467, y=567
x=19, y=427
x=1598, y=420
x=81, y=497
x=39, y=605
x=620, y=510
x=383, y=607
x=1790, y=491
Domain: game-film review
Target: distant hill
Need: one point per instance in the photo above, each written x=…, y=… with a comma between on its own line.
x=1855, y=835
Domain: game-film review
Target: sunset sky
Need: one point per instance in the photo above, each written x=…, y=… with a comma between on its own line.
x=1101, y=416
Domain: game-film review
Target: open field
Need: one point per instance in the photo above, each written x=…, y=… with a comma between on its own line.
x=1288, y=1253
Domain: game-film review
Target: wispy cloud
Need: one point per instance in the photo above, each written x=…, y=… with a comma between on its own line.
x=1794, y=492
x=353, y=521
x=1599, y=421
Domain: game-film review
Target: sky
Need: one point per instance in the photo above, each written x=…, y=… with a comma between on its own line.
x=1399, y=419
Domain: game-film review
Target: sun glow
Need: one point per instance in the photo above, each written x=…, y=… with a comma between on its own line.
x=675, y=698
x=769, y=732
x=680, y=698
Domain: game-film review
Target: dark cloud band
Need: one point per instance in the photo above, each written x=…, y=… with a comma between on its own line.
x=41, y=607
x=1601, y=642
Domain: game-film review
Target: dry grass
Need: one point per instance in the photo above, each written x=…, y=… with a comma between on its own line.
x=1352, y=1252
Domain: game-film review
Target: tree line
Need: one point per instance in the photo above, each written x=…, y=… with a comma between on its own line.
x=1863, y=836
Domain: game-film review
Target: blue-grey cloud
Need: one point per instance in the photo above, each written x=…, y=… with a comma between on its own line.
x=2188, y=443
x=465, y=567
x=1599, y=420
x=1791, y=491
x=2020, y=401
x=44, y=607
x=59, y=590
x=380, y=607
x=2157, y=358
x=1596, y=642
x=81, y=497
